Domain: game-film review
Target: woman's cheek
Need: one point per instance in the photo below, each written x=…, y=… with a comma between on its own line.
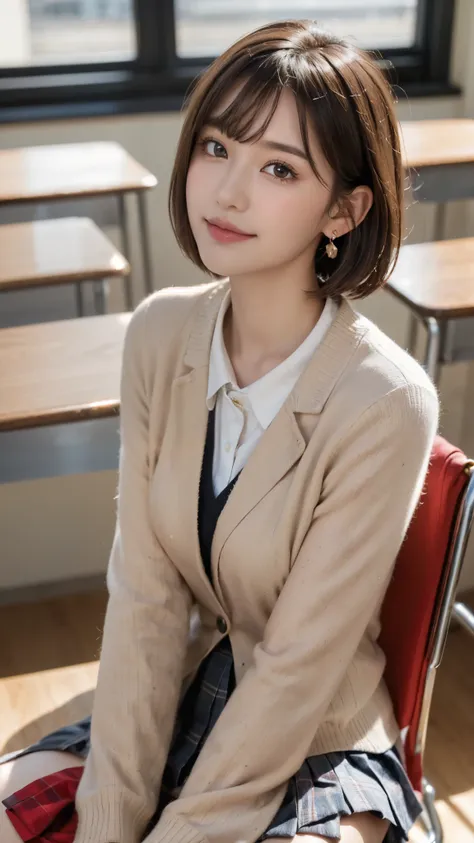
x=191, y=179
x=288, y=208
x=195, y=194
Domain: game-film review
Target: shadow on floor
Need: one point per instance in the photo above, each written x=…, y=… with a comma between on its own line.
x=75, y=709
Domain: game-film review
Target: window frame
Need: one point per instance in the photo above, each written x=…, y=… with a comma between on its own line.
x=157, y=79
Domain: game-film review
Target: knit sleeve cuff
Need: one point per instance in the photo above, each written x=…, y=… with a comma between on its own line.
x=109, y=816
x=173, y=829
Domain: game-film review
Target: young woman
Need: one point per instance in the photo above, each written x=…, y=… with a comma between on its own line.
x=274, y=445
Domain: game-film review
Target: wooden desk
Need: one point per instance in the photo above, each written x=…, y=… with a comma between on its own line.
x=80, y=170
x=437, y=143
x=57, y=381
x=440, y=157
x=65, y=251
x=435, y=281
x=58, y=372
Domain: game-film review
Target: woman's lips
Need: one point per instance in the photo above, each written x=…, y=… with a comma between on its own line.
x=224, y=235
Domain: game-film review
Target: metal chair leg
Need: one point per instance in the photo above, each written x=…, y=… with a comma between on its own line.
x=433, y=348
x=464, y=616
x=424, y=820
x=435, y=832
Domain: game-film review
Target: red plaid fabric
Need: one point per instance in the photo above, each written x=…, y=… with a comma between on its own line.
x=43, y=811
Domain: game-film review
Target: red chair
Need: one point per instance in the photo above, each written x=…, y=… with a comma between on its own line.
x=419, y=605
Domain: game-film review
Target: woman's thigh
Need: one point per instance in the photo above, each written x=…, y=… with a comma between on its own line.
x=358, y=828
x=16, y=774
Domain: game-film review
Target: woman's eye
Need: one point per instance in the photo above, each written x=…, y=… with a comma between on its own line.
x=213, y=148
x=281, y=171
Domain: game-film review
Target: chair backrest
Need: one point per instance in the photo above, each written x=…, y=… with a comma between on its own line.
x=414, y=600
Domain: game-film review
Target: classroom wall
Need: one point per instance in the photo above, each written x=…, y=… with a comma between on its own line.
x=61, y=528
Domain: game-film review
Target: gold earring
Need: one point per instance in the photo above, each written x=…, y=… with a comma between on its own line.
x=331, y=248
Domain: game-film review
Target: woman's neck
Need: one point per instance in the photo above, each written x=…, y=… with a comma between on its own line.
x=265, y=324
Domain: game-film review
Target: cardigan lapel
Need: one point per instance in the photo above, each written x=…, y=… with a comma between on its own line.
x=182, y=454
x=183, y=445
x=283, y=443
x=279, y=447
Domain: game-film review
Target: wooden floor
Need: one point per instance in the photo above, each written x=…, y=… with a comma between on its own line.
x=48, y=669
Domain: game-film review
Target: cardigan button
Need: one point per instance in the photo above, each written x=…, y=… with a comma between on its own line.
x=221, y=624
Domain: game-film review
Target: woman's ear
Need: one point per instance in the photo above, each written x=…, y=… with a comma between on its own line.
x=348, y=213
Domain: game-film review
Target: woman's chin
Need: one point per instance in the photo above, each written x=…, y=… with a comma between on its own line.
x=221, y=266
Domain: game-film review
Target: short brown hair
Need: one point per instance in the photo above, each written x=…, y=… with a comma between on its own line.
x=342, y=92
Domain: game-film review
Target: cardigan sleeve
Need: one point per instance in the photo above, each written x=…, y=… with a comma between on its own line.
x=370, y=492
x=144, y=638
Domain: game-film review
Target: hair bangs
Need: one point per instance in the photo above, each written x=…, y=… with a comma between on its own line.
x=309, y=86
x=241, y=120
x=303, y=117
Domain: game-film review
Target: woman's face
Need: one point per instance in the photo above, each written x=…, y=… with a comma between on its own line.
x=267, y=191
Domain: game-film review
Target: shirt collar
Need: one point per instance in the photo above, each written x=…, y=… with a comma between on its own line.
x=269, y=393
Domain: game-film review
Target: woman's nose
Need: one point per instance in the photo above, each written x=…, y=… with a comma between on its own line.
x=233, y=190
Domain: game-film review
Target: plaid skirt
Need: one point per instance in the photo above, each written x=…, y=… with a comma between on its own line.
x=324, y=789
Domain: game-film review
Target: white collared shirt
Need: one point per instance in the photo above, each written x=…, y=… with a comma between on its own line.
x=242, y=415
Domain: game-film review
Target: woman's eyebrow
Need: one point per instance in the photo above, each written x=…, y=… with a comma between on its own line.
x=285, y=147
x=215, y=123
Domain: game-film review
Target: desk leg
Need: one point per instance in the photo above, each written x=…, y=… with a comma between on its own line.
x=145, y=238
x=100, y=289
x=123, y=222
x=79, y=300
x=449, y=339
x=412, y=334
x=433, y=348
x=440, y=221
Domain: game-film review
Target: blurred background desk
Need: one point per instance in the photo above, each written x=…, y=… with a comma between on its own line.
x=52, y=253
x=440, y=157
x=78, y=171
x=59, y=397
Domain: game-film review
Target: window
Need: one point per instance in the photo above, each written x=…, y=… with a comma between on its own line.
x=206, y=27
x=66, y=57
x=45, y=32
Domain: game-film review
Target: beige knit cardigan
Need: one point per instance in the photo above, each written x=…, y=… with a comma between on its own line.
x=301, y=558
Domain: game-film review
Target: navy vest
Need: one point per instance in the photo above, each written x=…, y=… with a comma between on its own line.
x=210, y=505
